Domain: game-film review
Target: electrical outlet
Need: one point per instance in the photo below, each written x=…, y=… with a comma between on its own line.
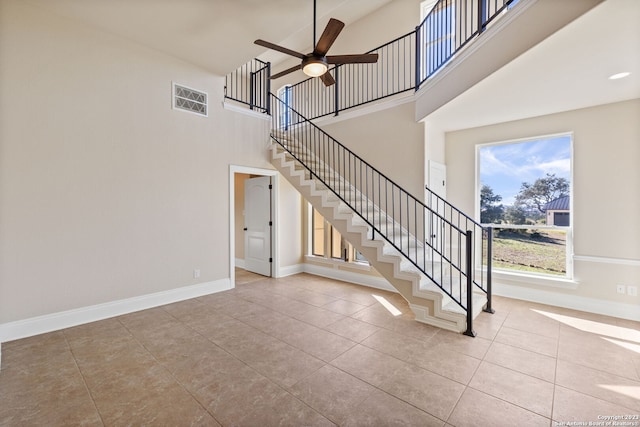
x=632, y=291
x=196, y=273
x=621, y=289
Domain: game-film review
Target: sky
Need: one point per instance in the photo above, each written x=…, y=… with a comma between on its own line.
x=504, y=167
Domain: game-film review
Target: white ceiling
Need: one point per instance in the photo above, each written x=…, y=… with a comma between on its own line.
x=567, y=71
x=216, y=35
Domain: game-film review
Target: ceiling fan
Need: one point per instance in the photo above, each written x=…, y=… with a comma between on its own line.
x=316, y=63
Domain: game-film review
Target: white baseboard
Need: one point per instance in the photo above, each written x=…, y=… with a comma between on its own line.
x=557, y=299
x=290, y=270
x=66, y=319
x=574, y=302
x=240, y=263
x=351, y=277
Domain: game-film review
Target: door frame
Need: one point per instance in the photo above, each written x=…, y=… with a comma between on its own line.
x=233, y=169
x=435, y=226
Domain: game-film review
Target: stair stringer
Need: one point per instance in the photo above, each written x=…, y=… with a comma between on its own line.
x=429, y=304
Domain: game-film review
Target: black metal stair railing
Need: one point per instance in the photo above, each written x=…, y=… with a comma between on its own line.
x=438, y=240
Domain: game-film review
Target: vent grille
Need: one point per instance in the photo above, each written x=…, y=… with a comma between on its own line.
x=191, y=100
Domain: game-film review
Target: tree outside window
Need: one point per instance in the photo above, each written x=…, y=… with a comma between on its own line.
x=522, y=185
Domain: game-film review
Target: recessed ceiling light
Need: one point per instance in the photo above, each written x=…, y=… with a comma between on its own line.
x=619, y=76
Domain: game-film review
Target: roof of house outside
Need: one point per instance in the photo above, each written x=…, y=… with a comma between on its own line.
x=559, y=204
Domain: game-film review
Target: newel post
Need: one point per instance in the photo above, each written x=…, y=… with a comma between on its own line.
x=488, y=308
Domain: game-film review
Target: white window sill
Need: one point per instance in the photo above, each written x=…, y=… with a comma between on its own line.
x=515, y=278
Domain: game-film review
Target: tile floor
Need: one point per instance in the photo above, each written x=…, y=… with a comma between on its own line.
x=307, y=351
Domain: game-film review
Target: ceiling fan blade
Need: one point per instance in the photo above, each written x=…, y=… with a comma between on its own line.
x=327, y=79
x=353, y=59
x=285, y=72
x=269, y=45
x=329, y=36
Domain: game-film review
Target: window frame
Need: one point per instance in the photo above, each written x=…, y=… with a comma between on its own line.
x=569, y=254
x=447, y=40
x=284, y=94
x=348, y=253
x=314, y=230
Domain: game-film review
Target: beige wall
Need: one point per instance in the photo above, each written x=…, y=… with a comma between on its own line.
x=291, y=224
x=390, y=140
x=606, y=187
x=106, y=192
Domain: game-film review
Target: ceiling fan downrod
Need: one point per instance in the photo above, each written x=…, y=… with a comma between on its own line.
x=314, y=23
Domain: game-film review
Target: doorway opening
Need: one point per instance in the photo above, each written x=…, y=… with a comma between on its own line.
x=253, y=234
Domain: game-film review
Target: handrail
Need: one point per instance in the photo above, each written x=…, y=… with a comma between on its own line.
x=389, y=210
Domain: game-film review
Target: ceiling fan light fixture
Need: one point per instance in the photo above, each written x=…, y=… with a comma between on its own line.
x=315, y=67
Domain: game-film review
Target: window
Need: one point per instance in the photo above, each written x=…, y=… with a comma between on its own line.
x=318, y=227
x=284, y=93
x=337, y=244
x=525, y=196
x=438, y=35
x=358, y=257
x=327, y=242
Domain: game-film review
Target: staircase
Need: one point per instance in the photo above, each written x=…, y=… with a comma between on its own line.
x=385, y=224
x=438, y=258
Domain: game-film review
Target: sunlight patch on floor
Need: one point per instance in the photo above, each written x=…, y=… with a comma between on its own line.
x=624, y=344
x=386, y=304
x=598, y=328
x=630, y=391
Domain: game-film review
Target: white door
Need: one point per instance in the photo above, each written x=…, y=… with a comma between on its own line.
x=257, y=228
x=437, y=184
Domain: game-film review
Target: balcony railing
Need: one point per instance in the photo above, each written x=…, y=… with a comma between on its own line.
x=449, y=27
x=250, y=85
x=404, y=64
x=359, y=84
